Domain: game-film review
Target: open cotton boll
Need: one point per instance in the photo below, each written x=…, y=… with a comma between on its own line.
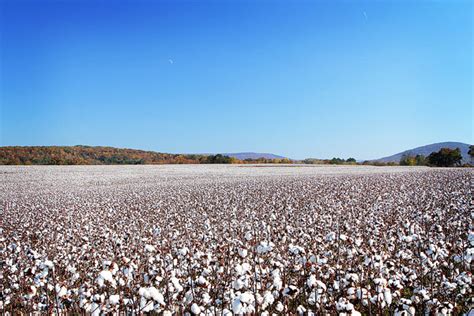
x=150, y=248
x=156, y=295
x=114, y=299
x=247, y=297
x=95, y=309
x=238, y=284
x=195, y=309
x=146, y=305
x=387, y=296
x=301, y=310
x=311, y=282
x=279, y=307
x=237, y=306
x=243, y=252
x=265, y=247
x=105, y=275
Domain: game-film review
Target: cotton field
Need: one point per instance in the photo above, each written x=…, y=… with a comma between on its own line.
x=236, y=239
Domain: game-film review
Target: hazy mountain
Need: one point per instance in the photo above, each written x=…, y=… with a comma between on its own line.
x=428, y=149
x=250, y=155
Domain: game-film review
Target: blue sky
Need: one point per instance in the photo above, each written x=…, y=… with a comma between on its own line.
x=296, y=78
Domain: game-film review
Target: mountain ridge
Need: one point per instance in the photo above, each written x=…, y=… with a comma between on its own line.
x=253, y=155
x=428, y=149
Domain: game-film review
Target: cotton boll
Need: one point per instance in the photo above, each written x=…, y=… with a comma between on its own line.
x=247, y=298
x=237, y=306
x=387, y=296
x=114, y=299
x=279, y=307
x=195, y=309
x=243, y=252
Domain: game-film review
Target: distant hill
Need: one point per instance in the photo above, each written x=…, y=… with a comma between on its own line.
x=250, y=155
x=428, y=149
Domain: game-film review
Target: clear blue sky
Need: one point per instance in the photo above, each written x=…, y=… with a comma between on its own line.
x=297, y=78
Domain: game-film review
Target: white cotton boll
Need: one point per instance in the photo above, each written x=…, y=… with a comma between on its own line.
x=176, y=284
x=149, y=248
x=247, y=298
x=331, y=236
x=201, y=280
x=351, y=292
x=237, y=306
x=195, y=309
x=95, y=309
x=387, y=296
x=268, y=299
x=248, y=236
x=279, y=307
x=156, y=295
x=145, y=305
x=243, y=252
x=301, y=310
x=114, y=299
x=48, y=264
x=183, y=251
x=61, y=290
x=265, y=247
x=238, y=284
x=238, y=268
x=105, y=275
x=206, y=298
x=296, y=250
x=311, y=282
x=144, y=292
x=188, y=297
x=349, y=307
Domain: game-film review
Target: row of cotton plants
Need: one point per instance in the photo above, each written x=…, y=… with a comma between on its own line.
x=310, y=244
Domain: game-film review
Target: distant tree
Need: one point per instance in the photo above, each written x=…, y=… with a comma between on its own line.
x=471, y=152
x=445, y=157
x=336, y=161
x=410, y=160
x=420, y=160
x=407, y=160
x=351, y=160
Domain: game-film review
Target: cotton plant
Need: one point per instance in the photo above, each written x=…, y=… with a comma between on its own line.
x=178, y=242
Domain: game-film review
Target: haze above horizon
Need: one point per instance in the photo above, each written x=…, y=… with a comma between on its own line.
x=299, y=79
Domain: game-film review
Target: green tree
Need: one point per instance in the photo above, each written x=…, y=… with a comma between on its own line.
x=407, y=160
x=445, y=157
x=420, y=160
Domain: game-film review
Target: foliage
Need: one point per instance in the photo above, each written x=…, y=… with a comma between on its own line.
x=333, y=161
x=410, y=160
x=445, y=157
x=88, y=155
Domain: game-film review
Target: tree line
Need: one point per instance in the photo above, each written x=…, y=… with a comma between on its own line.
x=97, y=155
x=445, y=157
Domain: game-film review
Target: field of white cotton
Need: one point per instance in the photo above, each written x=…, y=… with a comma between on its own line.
x=236, y=240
